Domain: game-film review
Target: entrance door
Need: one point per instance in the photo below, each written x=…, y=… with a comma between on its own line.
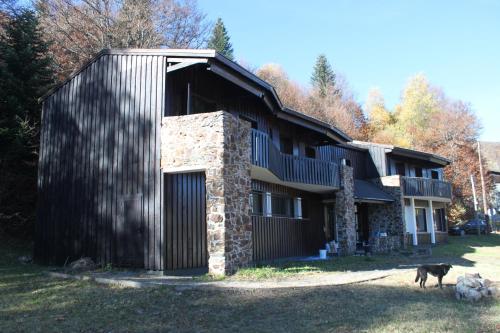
x=330, y=223
x=362, y=225
x=185, y=225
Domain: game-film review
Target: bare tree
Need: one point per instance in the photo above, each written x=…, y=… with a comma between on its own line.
x=181, y=23
x=80, y=29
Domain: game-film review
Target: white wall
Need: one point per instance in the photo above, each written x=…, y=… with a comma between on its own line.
x=409, y=220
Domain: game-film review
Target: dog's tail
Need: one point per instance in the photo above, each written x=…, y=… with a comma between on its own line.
x=418, y=277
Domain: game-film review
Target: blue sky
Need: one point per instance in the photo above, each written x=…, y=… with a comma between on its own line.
x=377, y=44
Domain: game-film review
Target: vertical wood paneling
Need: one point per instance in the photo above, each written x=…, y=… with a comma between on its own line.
x=185, y=221
x=99, y=144
x=281, y=237
x=337, y=153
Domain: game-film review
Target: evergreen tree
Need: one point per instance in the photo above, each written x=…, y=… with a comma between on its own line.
x=25, y=74
x=219, y=40
x=323, y=77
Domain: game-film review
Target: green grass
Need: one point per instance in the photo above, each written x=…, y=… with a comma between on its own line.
x=456, y=248
x=30, y=301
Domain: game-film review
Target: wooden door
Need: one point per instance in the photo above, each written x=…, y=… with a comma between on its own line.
x=185, y=225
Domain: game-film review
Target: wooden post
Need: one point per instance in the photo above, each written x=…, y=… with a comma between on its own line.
x=475, y=203
x=431, y=216
x=414, y=221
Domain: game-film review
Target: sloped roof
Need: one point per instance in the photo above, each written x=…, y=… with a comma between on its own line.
x=220, y=63
x=405, y=152
x=366, y=191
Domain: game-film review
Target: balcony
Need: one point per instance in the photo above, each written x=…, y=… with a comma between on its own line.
x=289, y=168
x=424, y=187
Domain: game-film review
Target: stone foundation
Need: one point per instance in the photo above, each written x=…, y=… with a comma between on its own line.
x=344, y=211
x=220, y=144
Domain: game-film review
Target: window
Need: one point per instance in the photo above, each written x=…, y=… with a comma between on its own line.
x=257, y=203
x=297, y=208
x=310, y=152
x=305, y=208
x=421, y=219
x=400, y=168
x=347, y=162
x=439, y=219
x=434, y=174
x=281, y=206
x=286, y=145
x=418, y=172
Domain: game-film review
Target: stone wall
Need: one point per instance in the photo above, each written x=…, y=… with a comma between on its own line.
x=388, y=218
x=344, y=211
x=218, y=143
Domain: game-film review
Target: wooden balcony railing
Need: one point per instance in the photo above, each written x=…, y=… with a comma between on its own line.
x=291, y=168
x=424, y=187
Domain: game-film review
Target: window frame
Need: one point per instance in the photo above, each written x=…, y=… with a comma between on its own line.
x=424, y=215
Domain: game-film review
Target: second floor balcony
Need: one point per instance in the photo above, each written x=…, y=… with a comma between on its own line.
x=425, y=187
x=291, y=168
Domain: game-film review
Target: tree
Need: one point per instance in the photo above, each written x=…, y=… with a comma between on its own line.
x=323, y=76
x=80, y=29
x=381, y=122
x=419, y=102
x=26, y=72
x=289, y=92
x=339, y=110
x=135, y=26
x=426, y=119
x=220, y=41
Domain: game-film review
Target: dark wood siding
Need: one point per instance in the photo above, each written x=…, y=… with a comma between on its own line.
x=100, y=141
x=360, y=161
x=185, y=215
x=281, y=237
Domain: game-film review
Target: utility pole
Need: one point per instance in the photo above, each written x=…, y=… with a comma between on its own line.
x=483, y=187
x=475, y=204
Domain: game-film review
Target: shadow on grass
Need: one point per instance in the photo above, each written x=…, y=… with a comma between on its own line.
x=52, y=305
x=452, y=252
x=30, y=301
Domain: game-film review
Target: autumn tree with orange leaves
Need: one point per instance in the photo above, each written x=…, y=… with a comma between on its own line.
x=426, y=119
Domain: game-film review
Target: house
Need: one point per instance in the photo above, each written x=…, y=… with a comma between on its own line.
x=182, y=159
x=415, y=180
x=491, y=154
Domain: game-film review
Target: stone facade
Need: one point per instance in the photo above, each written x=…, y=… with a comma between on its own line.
x=345, y=213
x=218, y=143
x=388, y=218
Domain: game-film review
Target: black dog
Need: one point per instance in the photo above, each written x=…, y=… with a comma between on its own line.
x=435, y=270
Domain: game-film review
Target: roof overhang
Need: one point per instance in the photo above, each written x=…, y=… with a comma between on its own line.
x=365, y=191
x=419, y=155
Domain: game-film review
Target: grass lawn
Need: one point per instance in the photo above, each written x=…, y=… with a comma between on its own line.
x=32, y=302
x=459, y=250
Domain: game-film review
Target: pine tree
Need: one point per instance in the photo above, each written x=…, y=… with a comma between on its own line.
x=323, y=77
x=25, y=74
x=220, y=40
x=25, y=71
